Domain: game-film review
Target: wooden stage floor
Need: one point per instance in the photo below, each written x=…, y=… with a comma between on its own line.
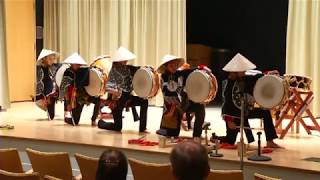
x=33, y=130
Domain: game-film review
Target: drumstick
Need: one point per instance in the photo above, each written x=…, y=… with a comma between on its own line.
x=142, y=137
x=248, y=128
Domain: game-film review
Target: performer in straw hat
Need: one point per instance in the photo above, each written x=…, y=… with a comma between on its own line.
x=72, y=90
x=119, y=85
x=176, y=102
x=236, y=84
x=46, y=89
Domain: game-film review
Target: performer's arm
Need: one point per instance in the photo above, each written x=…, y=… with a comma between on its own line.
x=39, y=85
x=66, y=81
x=55, y=68
x=111, y=85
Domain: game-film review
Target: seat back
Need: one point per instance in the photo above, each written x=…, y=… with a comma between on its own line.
x=55, y=164
x=10, y=160
x=143, y=170
x=5, y=175
x=88, y=166
x=47, y=177
x=263, y=177
x=225, y=175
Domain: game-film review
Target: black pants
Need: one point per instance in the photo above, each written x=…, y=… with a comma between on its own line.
x=76, y=112
x=117, y=112
x=199, y=112
x=51, y=108
x=255, y=113
x=171, y=132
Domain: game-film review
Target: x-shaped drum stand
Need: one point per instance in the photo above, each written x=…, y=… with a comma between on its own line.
x=297, y=104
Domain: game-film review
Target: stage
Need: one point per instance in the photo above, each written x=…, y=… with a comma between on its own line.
x=32, y=129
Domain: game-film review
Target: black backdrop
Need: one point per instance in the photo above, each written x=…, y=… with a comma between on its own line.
x=255, y=28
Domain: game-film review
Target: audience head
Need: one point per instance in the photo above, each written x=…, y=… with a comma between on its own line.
x=113, y=165
x=189, y=161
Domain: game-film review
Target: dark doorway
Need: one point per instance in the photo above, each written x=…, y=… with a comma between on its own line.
x=39, y=25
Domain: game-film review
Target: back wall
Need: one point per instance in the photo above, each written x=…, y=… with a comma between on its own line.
x=20, y=39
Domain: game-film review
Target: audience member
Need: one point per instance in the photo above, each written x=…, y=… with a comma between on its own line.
x=189, y=161
x=113, y=165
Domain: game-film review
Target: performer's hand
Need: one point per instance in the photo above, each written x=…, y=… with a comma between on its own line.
x=112, y=104
x=44, y=102
x=170, y=112
x=184, y=66
x=231, y=125
x=115, y=94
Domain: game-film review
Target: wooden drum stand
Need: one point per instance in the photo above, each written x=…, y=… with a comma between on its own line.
x=297, y=104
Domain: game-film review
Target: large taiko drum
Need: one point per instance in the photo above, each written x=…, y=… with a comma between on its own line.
x=201, y=86
x=103, y=64
x=96, y=82
x=300, y=82
x=271, y=91
x=146, y=82
x=60, y=73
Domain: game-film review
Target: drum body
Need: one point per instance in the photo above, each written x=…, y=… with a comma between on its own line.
x=103, y=64
x=271, y=91
x=60, y=73
x=299, y=82
x=96, y=82
x=146, y=82
x=201, y=86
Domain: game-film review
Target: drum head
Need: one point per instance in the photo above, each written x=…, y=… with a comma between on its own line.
x=142, y=82
x=60, y=72
x=269, y=91
x=95, y=82
x=198, y=86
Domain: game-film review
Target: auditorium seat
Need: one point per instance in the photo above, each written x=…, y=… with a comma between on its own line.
x=87, y=165
x=10, y=160
x=143, y=170
x=263, y=177
x=225, y=175
x=55, y=164
x=5, y=175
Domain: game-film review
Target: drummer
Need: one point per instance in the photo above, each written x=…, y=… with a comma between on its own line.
x=72, y=91
x=103, y=63
x=175, y=99
x=119, y=85
x=46, y=90
x=231, y=108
